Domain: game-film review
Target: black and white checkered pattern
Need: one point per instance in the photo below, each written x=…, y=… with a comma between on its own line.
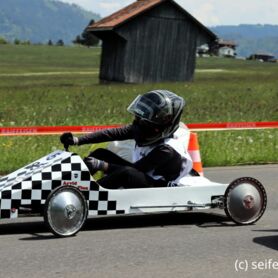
x=100, y=203
x=35, y=187
x=25, y=173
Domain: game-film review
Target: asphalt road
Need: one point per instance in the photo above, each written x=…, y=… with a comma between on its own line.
x=162, y=245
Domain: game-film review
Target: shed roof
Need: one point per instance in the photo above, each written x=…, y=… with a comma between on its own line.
x=125, y=14
x=129, y=12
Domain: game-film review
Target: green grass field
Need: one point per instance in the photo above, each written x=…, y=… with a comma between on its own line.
x=42, y=85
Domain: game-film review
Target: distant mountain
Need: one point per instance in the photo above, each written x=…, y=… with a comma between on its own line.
x=251, y=38
x=42, y=20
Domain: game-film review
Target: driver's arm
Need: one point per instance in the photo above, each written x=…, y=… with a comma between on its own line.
x=106, y=135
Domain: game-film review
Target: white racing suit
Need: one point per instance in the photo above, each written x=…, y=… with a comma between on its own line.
x=178, y=143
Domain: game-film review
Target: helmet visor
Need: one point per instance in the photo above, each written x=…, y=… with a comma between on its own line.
x=146, y=109
x=141, y=107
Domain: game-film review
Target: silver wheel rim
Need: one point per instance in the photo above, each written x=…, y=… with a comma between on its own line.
x=66, y=212
x=245, y=201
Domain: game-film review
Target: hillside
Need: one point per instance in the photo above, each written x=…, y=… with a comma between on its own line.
x=42, y=20
x=251, y=38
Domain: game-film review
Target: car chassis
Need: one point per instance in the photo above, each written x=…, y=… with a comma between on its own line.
x=60, y=187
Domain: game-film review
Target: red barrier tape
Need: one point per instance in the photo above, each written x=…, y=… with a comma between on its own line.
x=232, y=126
x=51, y=130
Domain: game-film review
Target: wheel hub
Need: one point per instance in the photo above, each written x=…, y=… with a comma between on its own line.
x=249, y=202
x=70, y=211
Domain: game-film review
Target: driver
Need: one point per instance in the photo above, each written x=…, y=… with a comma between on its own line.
x=159, y=157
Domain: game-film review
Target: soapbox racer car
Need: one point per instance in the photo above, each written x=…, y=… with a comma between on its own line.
x=60, y=187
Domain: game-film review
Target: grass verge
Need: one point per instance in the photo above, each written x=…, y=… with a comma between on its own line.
x=223, y=90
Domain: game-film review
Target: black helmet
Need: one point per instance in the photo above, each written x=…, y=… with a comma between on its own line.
x=159, y=111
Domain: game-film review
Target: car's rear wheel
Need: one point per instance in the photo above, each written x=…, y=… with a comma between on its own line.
x=245, y=200
x=65, y=211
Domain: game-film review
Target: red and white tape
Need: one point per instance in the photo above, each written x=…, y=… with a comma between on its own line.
x=52, y=130
x=232, y=126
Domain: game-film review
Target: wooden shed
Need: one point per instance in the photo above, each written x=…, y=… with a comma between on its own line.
x=150, y=41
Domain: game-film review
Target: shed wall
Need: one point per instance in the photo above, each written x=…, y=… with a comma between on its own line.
x=112, y=57
x=161, y=46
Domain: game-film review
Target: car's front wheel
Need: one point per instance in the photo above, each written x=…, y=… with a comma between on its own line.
x=65, y=211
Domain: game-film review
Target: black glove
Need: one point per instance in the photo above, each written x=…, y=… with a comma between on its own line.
x=68, y=139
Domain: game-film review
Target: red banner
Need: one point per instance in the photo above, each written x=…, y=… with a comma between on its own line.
x=233, y=125
x=51, y=130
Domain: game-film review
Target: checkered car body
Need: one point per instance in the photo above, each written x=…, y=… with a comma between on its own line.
x=29, y=187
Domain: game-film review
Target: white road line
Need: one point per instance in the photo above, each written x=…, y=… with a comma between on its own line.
x=48, y=73
x=211, y=70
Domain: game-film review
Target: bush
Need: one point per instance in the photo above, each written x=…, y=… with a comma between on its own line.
x=3, y=41
x=60, y=43
x=16, y=41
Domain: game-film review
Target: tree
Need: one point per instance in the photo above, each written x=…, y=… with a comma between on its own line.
x=87, y=38
x=77, y=40
x=50, y=42
x=3, y=41
x=60, y=43
x=16, y=41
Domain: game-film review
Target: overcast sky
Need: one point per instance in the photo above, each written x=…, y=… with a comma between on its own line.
x=208, y=12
